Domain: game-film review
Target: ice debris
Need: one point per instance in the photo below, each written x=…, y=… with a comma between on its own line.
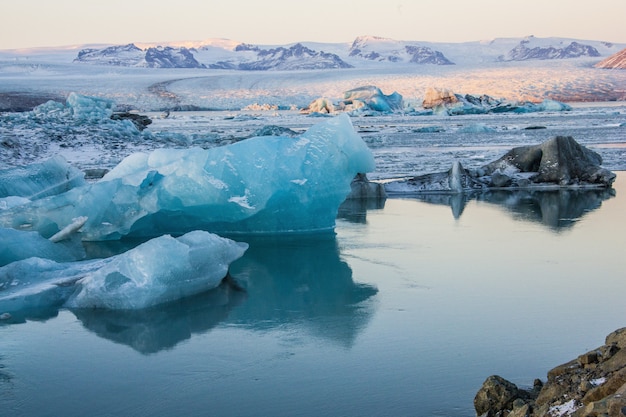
x=160, y=270
x=446, y=102
x=359, y=100
x=34, y=181
x=271, y=184
x=370, y=100
x=16, y=245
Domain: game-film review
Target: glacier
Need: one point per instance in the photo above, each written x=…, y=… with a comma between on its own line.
x=158, y=271
x=268, y=184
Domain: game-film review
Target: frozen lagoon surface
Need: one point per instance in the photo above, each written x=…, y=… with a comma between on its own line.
x=404, y=310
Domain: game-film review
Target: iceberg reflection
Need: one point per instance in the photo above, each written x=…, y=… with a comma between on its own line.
x=556, y=209
x=298, y=282
x=163, y=327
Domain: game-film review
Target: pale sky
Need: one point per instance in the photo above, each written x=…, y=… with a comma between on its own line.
x=35, y=23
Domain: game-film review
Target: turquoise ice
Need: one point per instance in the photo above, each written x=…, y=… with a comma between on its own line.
x=259, y=185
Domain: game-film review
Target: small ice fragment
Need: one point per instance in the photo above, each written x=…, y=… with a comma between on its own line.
x=69, y=230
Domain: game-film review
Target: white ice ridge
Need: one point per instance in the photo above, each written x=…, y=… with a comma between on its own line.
x=269, y=184
x=161, y=270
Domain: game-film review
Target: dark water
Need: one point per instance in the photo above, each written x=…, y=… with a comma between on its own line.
x=403, y=312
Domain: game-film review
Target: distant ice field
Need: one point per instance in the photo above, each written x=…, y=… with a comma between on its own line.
x=402, y=145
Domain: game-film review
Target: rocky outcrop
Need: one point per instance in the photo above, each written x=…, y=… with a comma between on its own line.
x=574, y=50
x=139, y=120
x=560, y=162
x=296, y=57
x=132, y=56
x=592, y=385
x=615, y=61
x=426, y=55
x=373, y=48
x=363, y=189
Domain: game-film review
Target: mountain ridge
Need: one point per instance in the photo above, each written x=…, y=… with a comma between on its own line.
x=363, y=51
x=615, y=61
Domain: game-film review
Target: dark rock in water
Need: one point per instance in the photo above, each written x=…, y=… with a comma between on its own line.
x=363, y=189
x=455, y=180
x=497, y=397
x=560, y=160
x=95, y=173
x=140, y=121
x=500, y=180
x=594, y=384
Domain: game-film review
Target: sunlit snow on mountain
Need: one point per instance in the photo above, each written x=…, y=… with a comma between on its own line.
x=224, y=74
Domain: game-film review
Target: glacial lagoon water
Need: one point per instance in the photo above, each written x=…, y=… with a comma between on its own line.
x=403, y=311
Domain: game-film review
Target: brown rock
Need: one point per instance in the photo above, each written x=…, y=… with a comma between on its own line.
x=618, y=337
x=495, y=397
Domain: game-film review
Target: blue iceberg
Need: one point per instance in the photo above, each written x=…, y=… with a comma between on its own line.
x=16, y=245
x=270, y=184
x=158, y=271
x=35, y=181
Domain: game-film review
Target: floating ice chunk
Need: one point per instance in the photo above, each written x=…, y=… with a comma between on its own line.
x=89, y=108
x=553, y=105
x=361, y=100
x=50, y=177
x=68, y=230
x=455, y=180
x=160, y=270
x=374, y=99
x=476, y=128
x=246, y=187
x=16, y=245
x=36, y=284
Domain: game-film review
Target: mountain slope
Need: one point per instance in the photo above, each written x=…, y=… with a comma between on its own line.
x=296, y=57
x=382, y=49
x=132, y=56
x=364, y=51
x=528, y=49
x=615, y=61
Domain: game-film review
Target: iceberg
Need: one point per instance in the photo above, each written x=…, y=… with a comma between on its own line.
x=361, y=100
x=34, y=181
x=16, y=245
x=160, y=270
x=373, y=98
x=269, y=184
x=446, y=102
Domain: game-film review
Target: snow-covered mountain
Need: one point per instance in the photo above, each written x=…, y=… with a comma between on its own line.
x=364, y=51
x=296, y=57
x=527, y=49
x=374, y=48
x=132, y=56
x=615, y=61
x=227, y=74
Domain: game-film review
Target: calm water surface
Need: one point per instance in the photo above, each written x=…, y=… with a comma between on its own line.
x=404, y=312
